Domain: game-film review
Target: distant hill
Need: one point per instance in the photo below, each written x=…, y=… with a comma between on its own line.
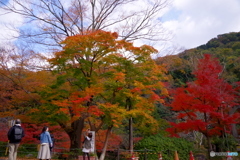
x=225, y=47
x=228, y=40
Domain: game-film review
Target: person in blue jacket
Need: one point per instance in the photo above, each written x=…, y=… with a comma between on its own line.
x=45, y=144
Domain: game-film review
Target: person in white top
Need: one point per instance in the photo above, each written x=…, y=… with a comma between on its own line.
x=87, y=145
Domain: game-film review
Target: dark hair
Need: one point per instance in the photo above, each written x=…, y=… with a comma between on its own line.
x=44, y=128
x=17, y=121
x=89, y=135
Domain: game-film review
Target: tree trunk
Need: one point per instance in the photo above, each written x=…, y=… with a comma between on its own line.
x=131, y=135
x=209, y=144
x=234, y=127
x=75, y=134
x=207, y=136
x=106, y=143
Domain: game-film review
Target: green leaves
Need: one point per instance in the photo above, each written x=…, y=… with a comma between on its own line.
x=166, y=145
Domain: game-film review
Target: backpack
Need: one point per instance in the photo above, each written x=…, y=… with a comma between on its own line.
x=18, y=133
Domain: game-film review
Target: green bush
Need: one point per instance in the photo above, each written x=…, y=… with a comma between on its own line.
x=24, y=150
x=27, y=150
x=166, y=145
x=3, y=146
x=228, y=143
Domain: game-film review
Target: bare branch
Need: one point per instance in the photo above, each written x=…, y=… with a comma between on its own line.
x=48, y=22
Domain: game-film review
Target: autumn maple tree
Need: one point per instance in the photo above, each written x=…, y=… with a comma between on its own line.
x=100, y=82
x=204, y=104
x=19, y=84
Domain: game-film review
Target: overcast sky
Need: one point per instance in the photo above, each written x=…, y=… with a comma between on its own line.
x=192, y=22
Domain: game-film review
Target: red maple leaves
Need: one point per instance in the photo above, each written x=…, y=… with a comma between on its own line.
x=204, y=104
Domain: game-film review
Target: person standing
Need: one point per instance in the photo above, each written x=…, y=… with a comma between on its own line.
x=15, y=135
x=45, y=144
x=53, y=141
x=87, y=145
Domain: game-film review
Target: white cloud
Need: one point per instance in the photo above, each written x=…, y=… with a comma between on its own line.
x=197, y=21
x=9, y=23
x=192, y=22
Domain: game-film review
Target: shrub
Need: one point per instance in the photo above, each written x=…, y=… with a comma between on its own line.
x=166, y=145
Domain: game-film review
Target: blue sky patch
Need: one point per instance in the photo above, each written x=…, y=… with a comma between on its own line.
x=172, y=14
x=4, y=2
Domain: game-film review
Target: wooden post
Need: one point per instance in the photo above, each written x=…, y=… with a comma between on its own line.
x=118, y=152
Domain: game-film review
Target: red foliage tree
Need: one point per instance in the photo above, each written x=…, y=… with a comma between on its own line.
x=114, y=140
x=204, y=105
x=32, y=132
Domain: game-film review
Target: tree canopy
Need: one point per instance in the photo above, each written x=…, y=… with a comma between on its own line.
x=204, y=104
x=102, y=80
